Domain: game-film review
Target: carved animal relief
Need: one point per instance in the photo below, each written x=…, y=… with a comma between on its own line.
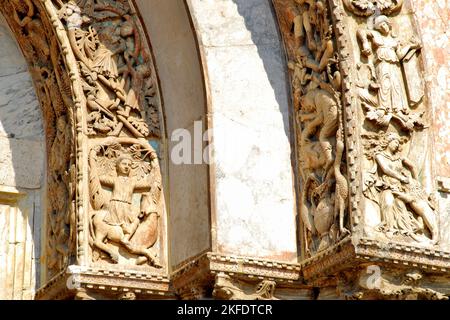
x=316, y=83
x=97, y=85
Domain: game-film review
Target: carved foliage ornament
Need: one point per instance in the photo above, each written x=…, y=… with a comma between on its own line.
x=370, y=7
x=227, y=288
x=127, y=168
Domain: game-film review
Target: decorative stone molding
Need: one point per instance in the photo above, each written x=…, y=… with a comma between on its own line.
x=10, y=195
x=95, y=79
x=348, y=255
x=254, y=267
x=105, y=284
x=196, y=276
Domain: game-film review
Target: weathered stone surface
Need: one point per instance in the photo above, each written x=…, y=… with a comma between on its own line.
x=183, y=88
x=22, y=169
x=432, y=19
x=20, y=114
x=234, y=22
x=254, y=193
x=21, y=127
x=21, y=163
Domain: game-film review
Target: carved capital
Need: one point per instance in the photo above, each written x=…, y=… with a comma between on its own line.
x=228, y=288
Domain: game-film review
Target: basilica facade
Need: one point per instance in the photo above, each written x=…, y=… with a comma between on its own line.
x=227, y=149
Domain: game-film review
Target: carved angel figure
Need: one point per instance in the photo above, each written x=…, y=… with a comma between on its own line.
x=405, y=208
x=115, y=218
x=388, y=55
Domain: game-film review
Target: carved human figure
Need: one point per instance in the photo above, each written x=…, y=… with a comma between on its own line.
x=59, y=156
x=395, y=180
x=388, y=56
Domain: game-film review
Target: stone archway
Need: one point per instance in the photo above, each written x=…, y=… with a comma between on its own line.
x=96, y=82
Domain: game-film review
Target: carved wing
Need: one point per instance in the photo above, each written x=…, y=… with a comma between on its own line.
x=98, y=166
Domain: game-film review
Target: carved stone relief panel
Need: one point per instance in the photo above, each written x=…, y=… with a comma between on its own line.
x=398, y=194
x=356, y=69
x=126, y=199
x=95, y=79
x=316, y=88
